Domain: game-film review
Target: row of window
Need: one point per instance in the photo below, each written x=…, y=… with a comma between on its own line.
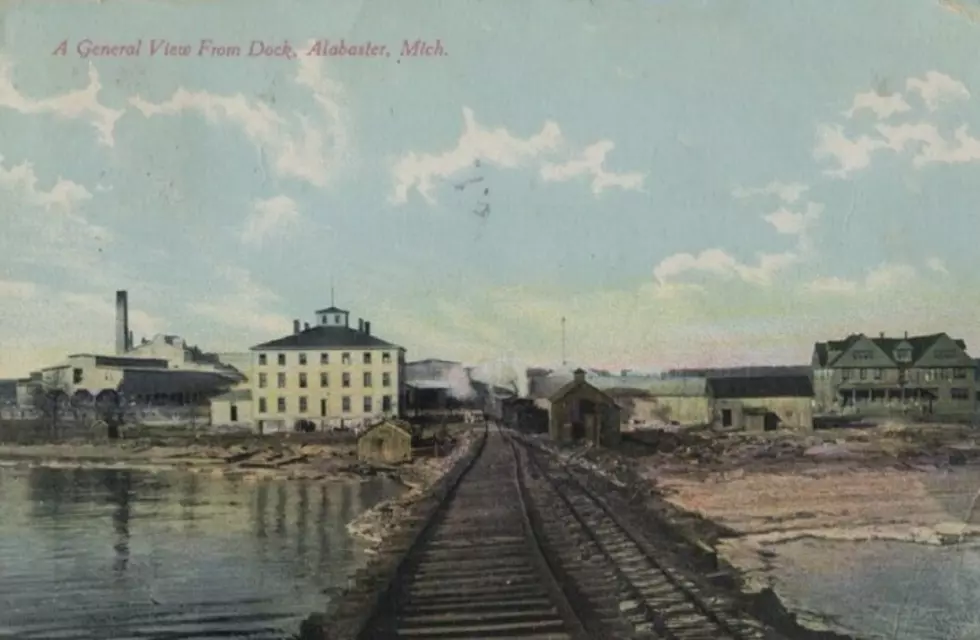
x=904, y=354
x=367, y=380
x=926, y=375
x=282, y=405
x=301, y=358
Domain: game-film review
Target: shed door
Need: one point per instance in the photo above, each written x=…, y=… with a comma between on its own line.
x=234, y=413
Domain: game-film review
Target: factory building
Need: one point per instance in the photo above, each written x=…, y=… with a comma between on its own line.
x=162, y=371
x=330, y=375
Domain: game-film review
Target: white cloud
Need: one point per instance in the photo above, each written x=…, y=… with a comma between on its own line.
x=421, y=171
x=937, y=265
x=244, y=305
x=851, y=155
x=269, y=217
x=883, y=106
x=590, y=163
x=311, y=150
x=936, y=88
x=787, y=192
x=795, y=223
x=719, y=263
x=22, y=180
x=82, y=104
x=884, y=277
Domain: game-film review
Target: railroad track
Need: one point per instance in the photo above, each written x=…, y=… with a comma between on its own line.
x=521, y=549
x=477, y=570
x=615, y=563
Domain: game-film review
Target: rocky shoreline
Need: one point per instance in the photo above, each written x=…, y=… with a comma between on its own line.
x=749, y=496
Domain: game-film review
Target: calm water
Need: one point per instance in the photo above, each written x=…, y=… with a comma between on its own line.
x=107, y=554
x=887, y=591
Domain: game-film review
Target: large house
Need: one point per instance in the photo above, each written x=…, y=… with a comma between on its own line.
x=930, y=374
x=328, y=375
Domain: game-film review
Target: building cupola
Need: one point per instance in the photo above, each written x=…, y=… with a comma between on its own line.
x=332, y=317
x=579, y=375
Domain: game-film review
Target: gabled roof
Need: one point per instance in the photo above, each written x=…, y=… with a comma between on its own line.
x=322, y=337
x=398, y=425
x=919, y=344
x=761, y=387
x=331, y=309
x=571, y=386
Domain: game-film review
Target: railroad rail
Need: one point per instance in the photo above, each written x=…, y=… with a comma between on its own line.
x=477, y=571
x=520, y=548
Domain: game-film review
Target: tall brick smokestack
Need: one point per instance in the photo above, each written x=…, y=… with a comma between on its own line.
x=122, y=323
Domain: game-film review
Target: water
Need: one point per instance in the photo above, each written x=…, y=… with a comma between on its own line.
x=885, y=590
x=112, y=554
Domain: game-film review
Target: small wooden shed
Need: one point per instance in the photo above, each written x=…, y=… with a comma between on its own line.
x=580, y=411
x=388, y=442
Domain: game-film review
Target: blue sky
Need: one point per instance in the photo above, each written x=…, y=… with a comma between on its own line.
x=689, y=183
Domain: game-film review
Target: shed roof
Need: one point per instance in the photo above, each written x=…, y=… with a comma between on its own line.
x=400, y=426
x=571, y=386
x=323, y=337
x=762, y=387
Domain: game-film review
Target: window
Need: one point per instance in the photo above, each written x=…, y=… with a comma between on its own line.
x=302, y=381
x=876, y=373
x=323, y=407
x=367, y=357
x=324, y=380
x=959, y=394
x=302, y=359
x=386, y=379
x=367, y=404
x=863, y=374
x=263, y=407
x=386, y=403
x=845, y=374
x=76, y=375
x=263, y=360
x=345, y=379
x=302, y=404
x=281, y=405
x=281, y=380
x=385, y=357
x=324, y=358
x=263, y=381
x=345, y=358
x=367, y=378
x=903, y=355
x=336, y=318
x=345, y=404
x=960, y=374
x=282, y=359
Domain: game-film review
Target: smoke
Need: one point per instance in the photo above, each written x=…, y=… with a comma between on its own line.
x=502, y=372
x=459, y=384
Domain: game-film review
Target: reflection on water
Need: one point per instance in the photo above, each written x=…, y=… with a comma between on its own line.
x=107, y=554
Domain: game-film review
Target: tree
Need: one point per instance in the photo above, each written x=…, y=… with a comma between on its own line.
x=50, y=399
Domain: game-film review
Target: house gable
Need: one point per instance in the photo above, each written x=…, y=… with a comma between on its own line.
x=578, y=387
x=863, y=352
x=944, y=352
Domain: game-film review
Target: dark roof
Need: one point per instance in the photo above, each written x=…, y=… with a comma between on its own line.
x=761, y=387
x=122, y=361
x=168, y=381
x=332, y=309
x=920, y=344
x=327, y=338
x=574, y=384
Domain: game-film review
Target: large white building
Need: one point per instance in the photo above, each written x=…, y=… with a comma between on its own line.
x=327, y=375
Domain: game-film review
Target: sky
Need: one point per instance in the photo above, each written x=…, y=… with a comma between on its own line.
x=688, y=184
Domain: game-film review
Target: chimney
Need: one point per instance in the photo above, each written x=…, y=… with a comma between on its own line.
x=122, y=322
x=579, y=375
x=295, y=326
x=906, y=335
x=360, y=324
x=306, y=326
x=881, y=335
x=367, y=328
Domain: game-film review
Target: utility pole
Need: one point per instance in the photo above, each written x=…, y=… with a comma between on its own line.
x=563, y=361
